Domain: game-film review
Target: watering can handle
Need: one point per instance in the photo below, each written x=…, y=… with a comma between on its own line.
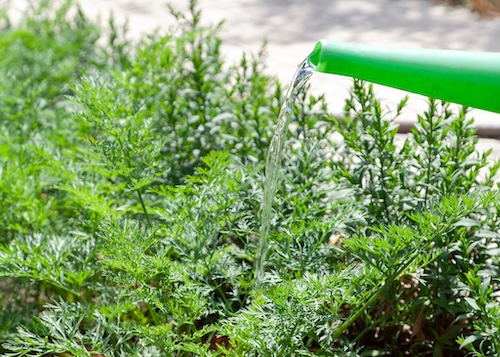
x=468, y=78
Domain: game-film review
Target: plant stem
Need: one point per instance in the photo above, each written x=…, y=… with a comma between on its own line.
x=288, y=339
x=143, y=207
x=354, y=316
x=154, y=315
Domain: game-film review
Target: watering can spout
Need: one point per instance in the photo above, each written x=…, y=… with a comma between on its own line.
x=468, y=78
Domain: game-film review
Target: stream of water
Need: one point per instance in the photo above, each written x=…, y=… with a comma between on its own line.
x=273, y=164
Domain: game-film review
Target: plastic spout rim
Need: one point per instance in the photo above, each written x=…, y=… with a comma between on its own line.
x=315, y=56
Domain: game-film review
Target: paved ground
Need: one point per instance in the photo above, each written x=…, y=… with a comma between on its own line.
x=293, y=26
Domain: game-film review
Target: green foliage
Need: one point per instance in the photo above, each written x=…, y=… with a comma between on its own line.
x=130, y=197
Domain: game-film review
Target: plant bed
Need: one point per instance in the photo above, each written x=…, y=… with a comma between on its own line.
x=131, y=195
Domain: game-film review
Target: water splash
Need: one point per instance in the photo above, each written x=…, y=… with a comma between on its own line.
x=273, y=164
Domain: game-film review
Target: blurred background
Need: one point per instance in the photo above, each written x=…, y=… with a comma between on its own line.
x=292, y=27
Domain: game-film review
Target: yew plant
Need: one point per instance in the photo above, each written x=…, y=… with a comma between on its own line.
x=131, y=188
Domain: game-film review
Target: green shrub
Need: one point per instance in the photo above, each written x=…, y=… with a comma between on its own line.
x=131, y=195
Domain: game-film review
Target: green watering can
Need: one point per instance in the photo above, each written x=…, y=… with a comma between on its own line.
x=468, y=78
